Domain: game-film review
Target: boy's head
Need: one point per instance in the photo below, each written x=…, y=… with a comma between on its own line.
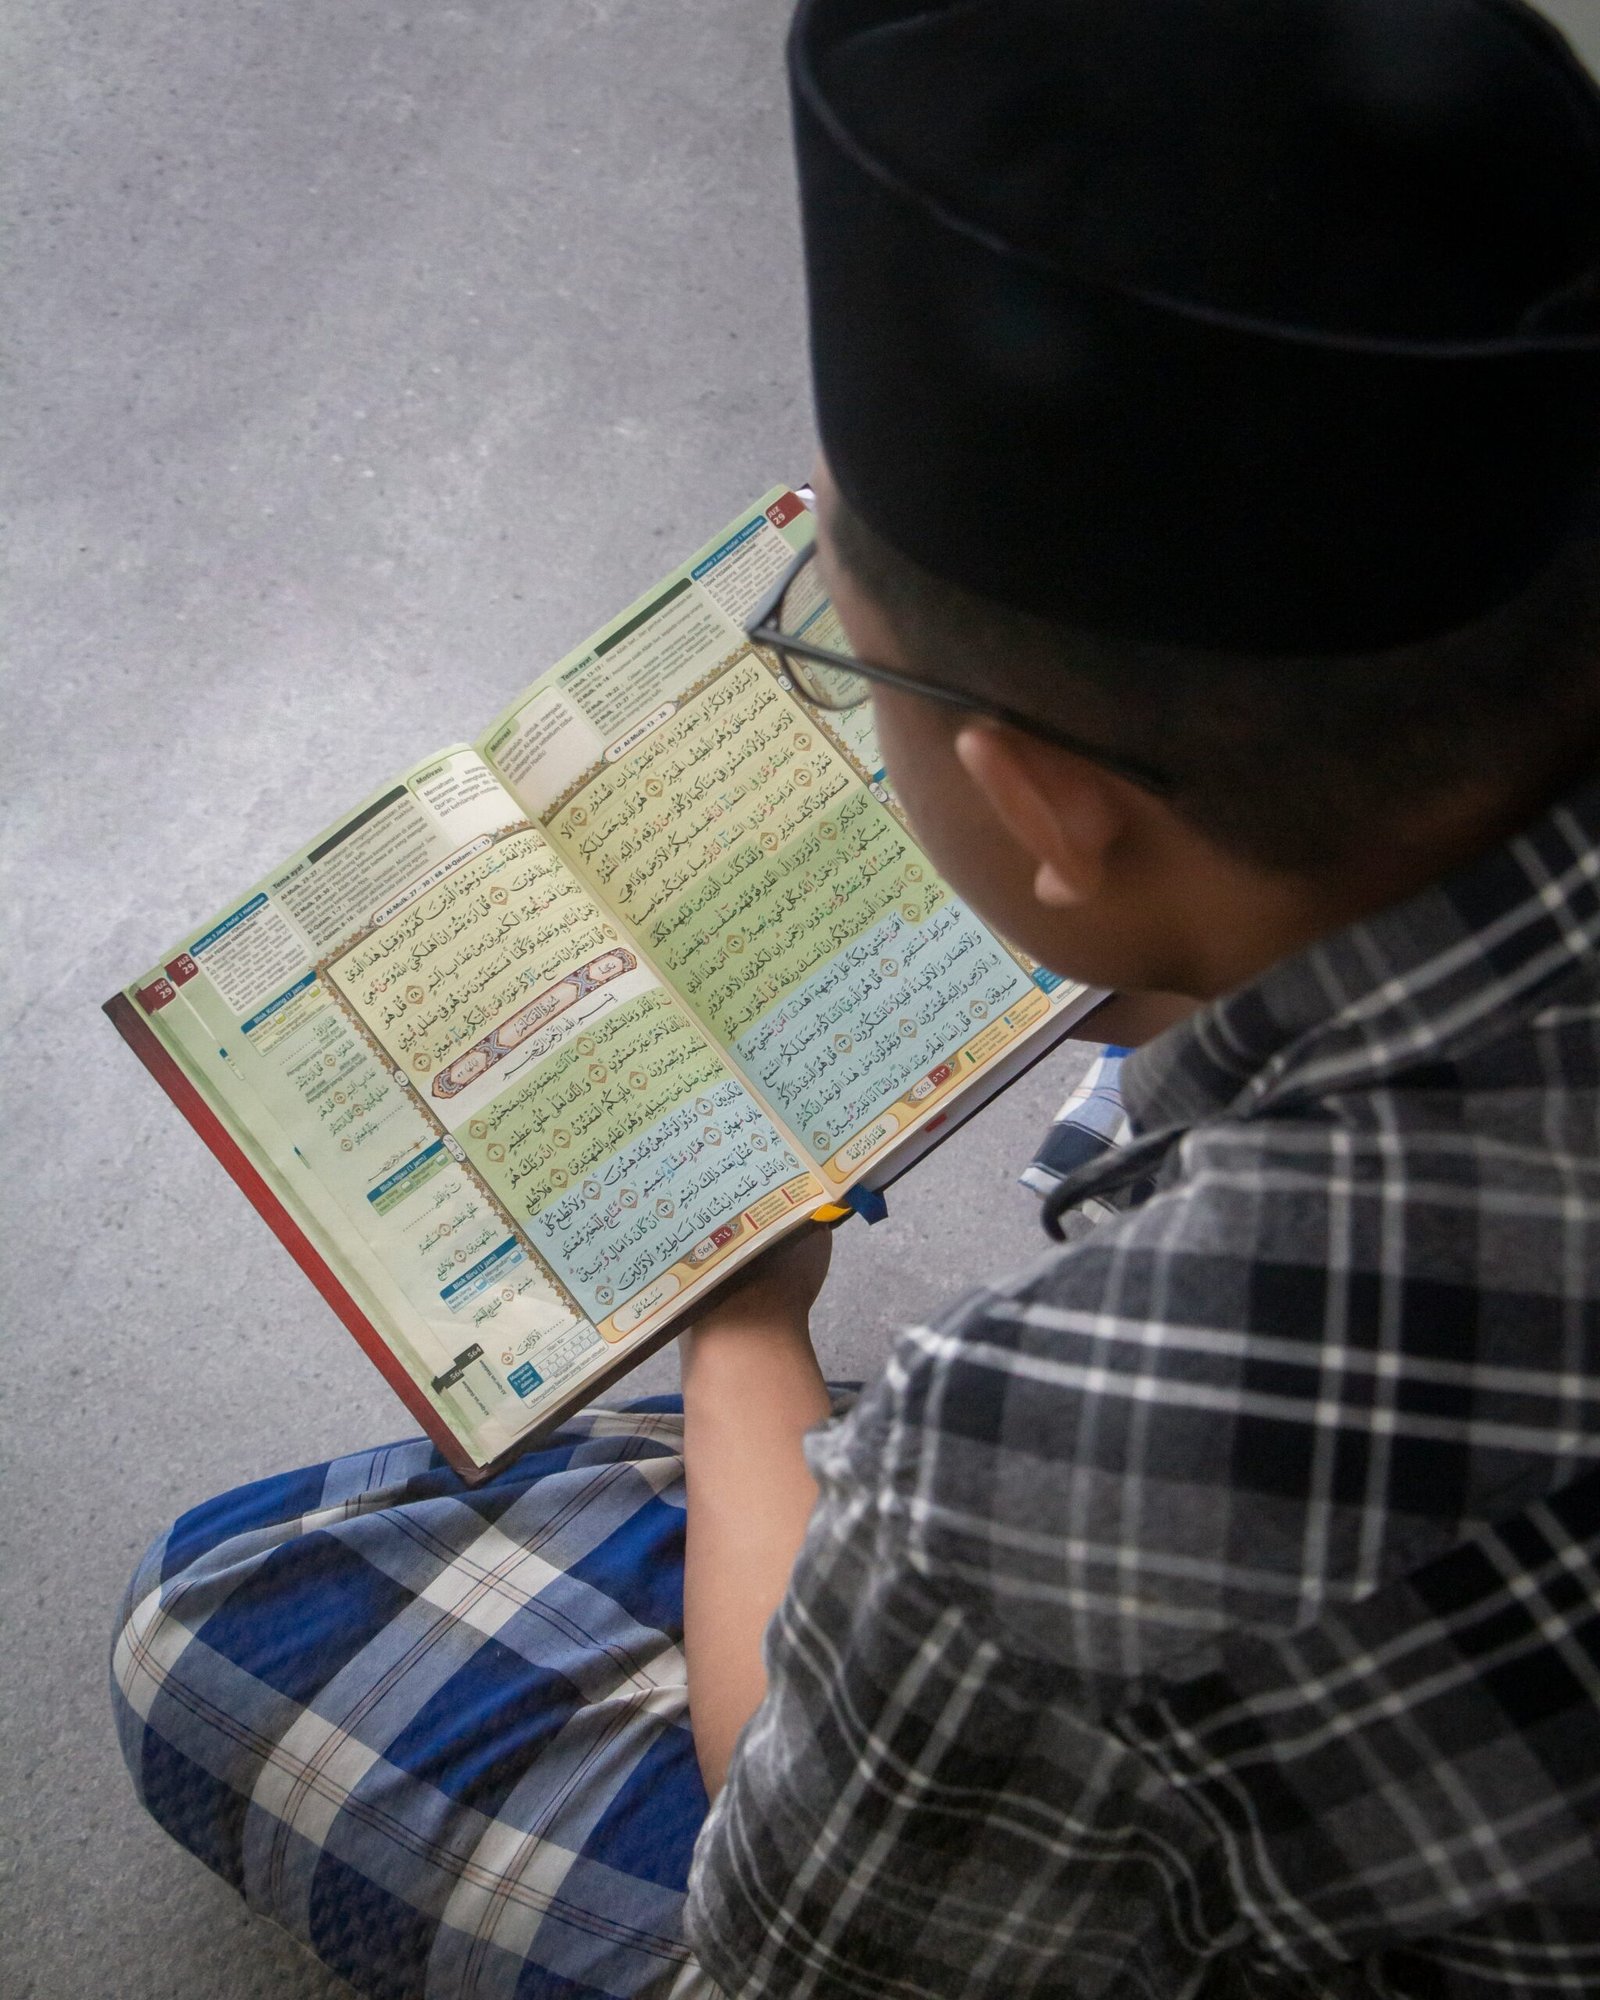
x=1217, y=381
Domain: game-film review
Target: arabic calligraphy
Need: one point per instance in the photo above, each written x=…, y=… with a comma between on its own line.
x=434, y=981
x=339, y=1079
x=453, y=1240
x=743, y=849
x=894, y=1003
x=566, y=1115
x=625, y=1147
x=790, y=912
x=670, y=1189
x=538, y=1013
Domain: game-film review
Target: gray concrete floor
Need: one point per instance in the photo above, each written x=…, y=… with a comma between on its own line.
x=365, y=356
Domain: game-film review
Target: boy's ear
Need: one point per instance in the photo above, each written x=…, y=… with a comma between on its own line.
x=1062, y=810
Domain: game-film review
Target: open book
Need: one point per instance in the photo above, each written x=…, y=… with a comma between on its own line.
x=534, y=1047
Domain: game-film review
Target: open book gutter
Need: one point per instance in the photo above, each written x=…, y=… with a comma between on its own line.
x=532, y=1051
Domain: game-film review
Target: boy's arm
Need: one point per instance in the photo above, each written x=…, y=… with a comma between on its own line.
x=751, y=1390
x=912, y=1806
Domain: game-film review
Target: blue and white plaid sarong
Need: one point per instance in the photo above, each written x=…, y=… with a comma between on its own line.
x=439, y=1733
x=1091, y=1123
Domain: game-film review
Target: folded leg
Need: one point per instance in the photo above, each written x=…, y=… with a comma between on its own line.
x=436, y=1732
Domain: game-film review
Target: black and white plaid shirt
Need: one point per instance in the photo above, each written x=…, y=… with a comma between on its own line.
x=1215, y=1607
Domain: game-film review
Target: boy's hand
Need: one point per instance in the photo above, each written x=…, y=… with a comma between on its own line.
x=751, y=1348
x=779, y=1288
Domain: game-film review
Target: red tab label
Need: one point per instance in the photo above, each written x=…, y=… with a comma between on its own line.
x=182, y=968
x=782, y=511
x=156, y=995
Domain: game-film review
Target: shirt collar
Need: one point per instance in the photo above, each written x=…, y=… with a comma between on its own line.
x=1434, y=977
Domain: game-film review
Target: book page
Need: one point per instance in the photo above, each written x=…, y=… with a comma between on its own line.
x=752, y=851
x=509, y=1142
x=610, y=1133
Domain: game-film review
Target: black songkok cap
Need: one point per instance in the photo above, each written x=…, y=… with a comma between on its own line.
x=1255, y=325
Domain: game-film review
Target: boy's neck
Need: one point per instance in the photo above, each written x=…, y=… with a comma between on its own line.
x=1240, y=919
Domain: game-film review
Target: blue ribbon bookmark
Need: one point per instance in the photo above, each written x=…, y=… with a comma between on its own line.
x=867, y=1202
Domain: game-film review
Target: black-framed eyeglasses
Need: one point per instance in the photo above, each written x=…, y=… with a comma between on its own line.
x=796, y=620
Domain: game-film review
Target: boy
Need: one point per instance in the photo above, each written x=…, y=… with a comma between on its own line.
x=1211, y=398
